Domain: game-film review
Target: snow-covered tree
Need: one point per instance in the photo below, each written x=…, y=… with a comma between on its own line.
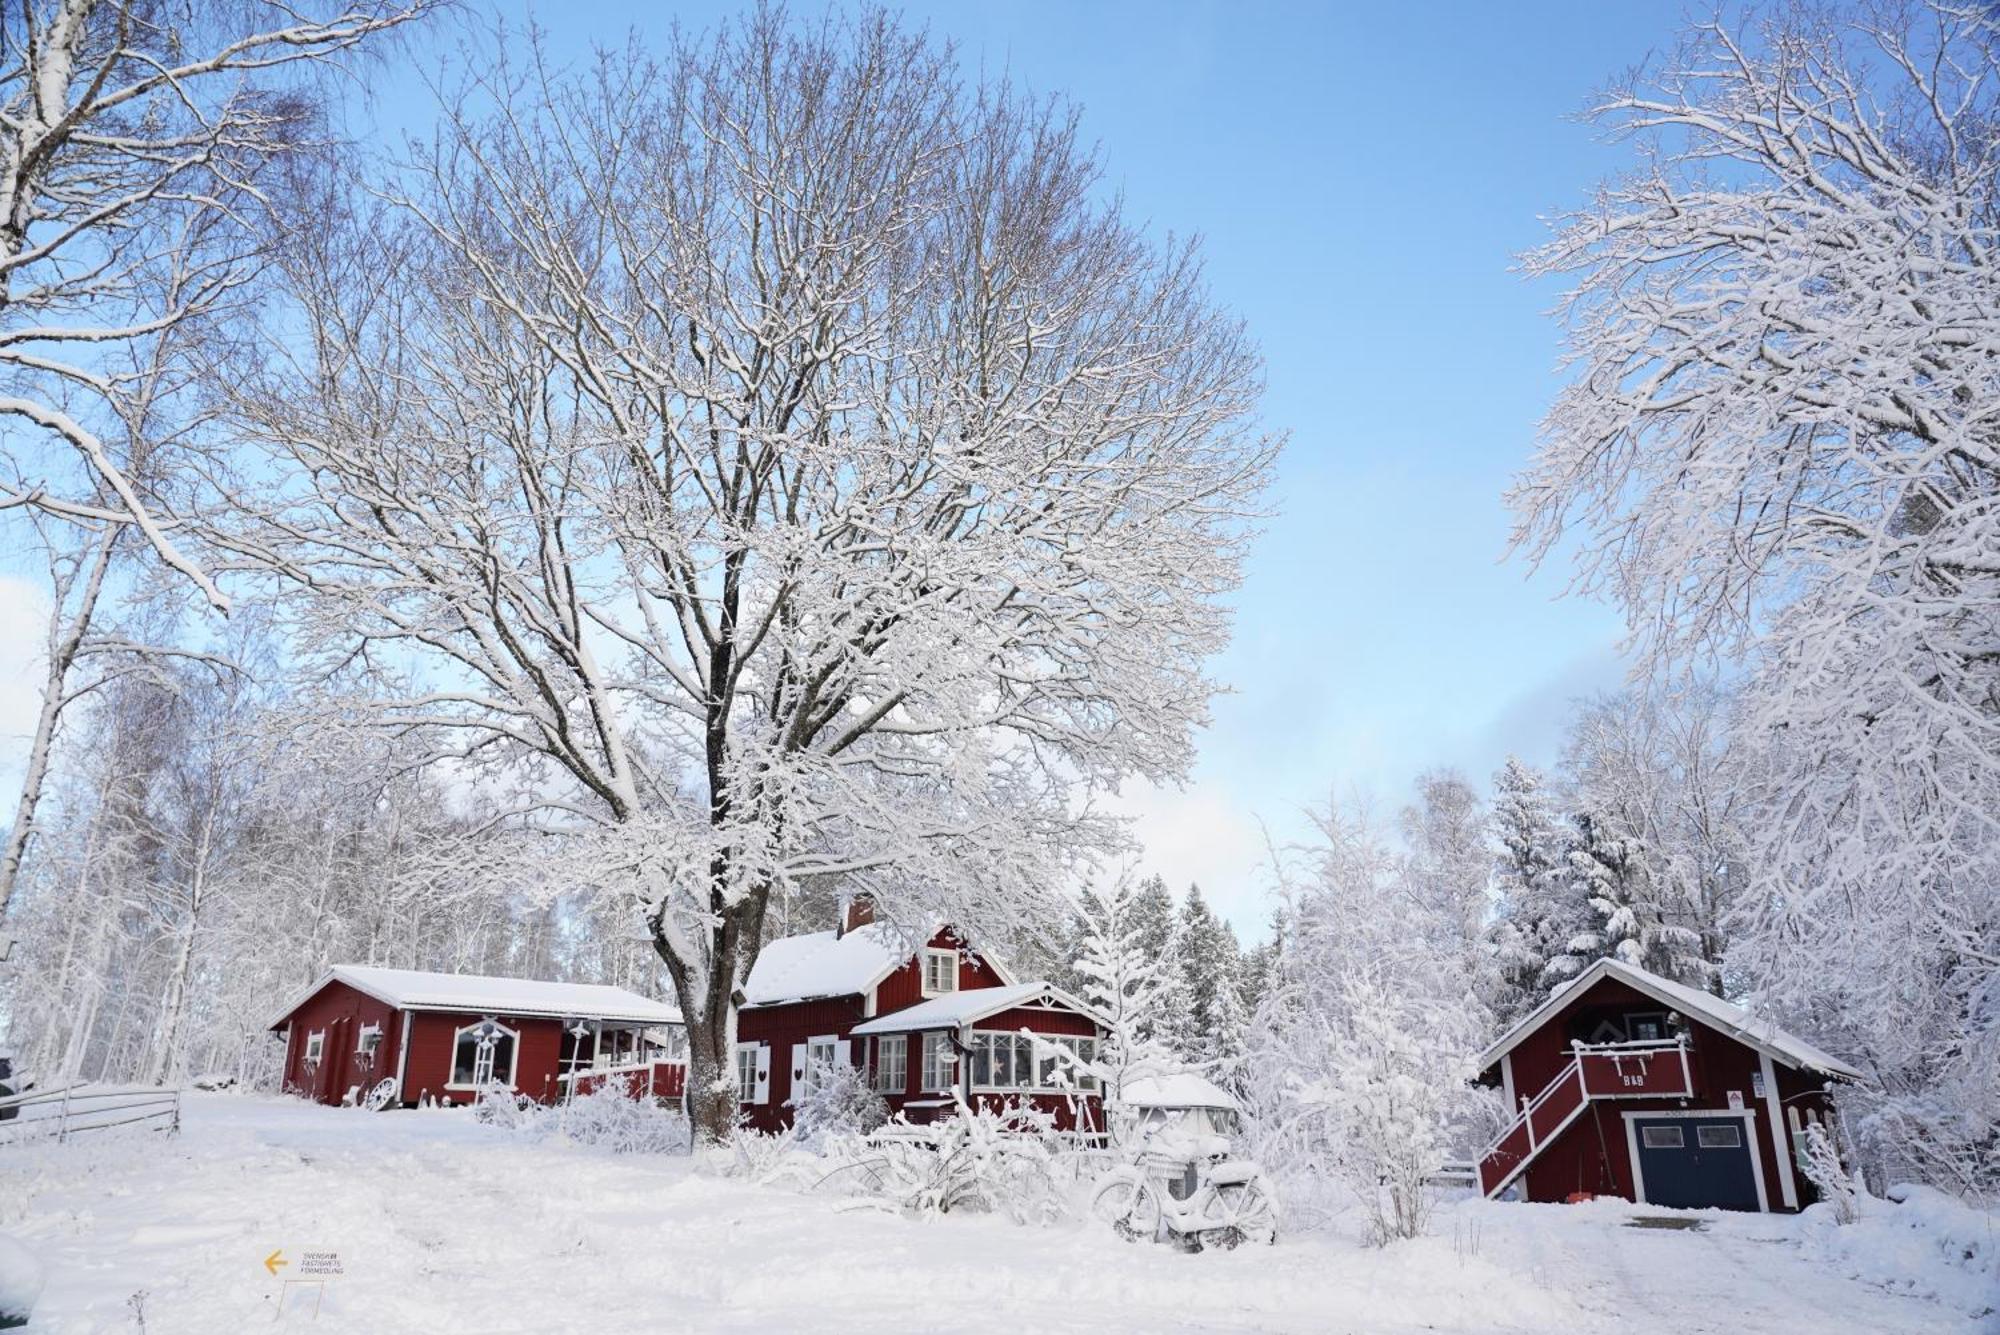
x=1776, y=447
x=1211, y=962
x=138, y=150
x=1448, y=860
x=1610, y=871
x=1362, y=1050
x=1536, y=917
x=768, y=460
x=1125, y=979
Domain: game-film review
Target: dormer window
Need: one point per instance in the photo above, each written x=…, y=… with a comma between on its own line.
x=940, y=972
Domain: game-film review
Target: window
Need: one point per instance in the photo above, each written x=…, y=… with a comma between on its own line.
x=1718, y=1137
x=940, y=1062
x=819, y=1054
x=746, y=1072
x=1016, y=1061
x=482, y=1054
x=369, y=1039
x=315, y=1046
x=892, y=1064
x=940, y=972
x=1661, y=1137
x=1648, y=1028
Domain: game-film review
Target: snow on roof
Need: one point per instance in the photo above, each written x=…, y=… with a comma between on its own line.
x=826, y=964
x=1727, y=1016
x=414, y=989
x=974, y=1003
x=1183, y=1089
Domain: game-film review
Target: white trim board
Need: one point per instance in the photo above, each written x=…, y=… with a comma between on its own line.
x=1749, y=1116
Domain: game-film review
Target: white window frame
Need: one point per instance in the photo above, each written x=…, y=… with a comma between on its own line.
x=900, y=1045
x=361, y=1045
x=940, y=1068
x=513, y=1055
x=315, y=1047
x=759, y=1055
x=1032, y=1049
x=932, y=956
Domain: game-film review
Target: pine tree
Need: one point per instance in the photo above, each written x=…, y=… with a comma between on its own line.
x=1537, y=919
x=1157, y=928
x=1608, y=869
x=1211, y=960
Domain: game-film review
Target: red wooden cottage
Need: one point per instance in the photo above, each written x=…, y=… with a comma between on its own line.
x=403, y=1036
x=924, y=1021
x=1628, y=1084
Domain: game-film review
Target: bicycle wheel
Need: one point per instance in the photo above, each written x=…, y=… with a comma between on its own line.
x=1248, y=1214
x=1130, y=1205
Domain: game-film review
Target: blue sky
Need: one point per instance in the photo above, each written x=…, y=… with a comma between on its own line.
x=1361, y=178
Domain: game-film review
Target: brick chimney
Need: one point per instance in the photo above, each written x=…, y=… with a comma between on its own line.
x=859, y=911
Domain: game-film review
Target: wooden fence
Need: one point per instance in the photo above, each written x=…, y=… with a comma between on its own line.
x=58, y=1114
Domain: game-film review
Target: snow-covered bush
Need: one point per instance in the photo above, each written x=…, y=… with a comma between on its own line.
x=768, y=1157
x=1004, y=1161
x=612, y=1119
x=837, y=1101
x=609, y=1118
x=1838, y=1189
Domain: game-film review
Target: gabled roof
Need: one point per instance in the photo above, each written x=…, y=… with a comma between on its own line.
x=414, y=989
x=835, y=964
x=1712, y=1010
x=974, y=1003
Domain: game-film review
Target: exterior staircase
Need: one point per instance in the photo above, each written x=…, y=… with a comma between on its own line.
x=1642, y=1070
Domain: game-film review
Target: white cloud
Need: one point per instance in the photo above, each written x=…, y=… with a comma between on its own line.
x=1203, y=834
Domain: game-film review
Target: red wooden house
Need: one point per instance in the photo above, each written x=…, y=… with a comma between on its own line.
x=924, y=1021
x=1628, y=1084
x=443, y=1037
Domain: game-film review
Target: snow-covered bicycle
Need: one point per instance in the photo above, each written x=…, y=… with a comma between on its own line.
x=1185, y=1187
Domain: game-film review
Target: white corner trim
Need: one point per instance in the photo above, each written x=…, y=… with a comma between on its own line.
x=1787, y=1180
x=1507, y=1082
x=1749, y=1116
x=403, y=1020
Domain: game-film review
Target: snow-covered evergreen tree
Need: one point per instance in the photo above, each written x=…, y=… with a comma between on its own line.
x=1124, y=978
x=1169, y=1020
x=1211, y=961
x=1536, y=917
x=1608, y=869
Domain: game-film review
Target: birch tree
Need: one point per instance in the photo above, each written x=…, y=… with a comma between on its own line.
x=1779, y=443
x=133, y=139
x=767, y=459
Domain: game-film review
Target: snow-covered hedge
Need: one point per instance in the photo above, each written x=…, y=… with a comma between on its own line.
x=1919, y=1242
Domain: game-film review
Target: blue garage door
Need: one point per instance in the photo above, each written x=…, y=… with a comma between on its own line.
x=1697, y=1162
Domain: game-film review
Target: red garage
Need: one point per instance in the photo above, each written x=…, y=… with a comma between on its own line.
x=1628, y=1084
x=403, y=1036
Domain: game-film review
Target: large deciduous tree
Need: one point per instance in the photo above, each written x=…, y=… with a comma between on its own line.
x=1779, y=441
x=774, y=460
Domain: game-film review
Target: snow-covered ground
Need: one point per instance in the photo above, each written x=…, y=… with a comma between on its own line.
x=434, y=1221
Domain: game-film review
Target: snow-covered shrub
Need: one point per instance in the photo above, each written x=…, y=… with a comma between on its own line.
x=611, y=1118
x=500, y=1106
x=766, y=1157
x=1820, y=1161
x=1006, y=1161
x=837, y=1101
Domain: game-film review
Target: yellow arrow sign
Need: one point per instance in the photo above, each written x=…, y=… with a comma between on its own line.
x=274, y=1260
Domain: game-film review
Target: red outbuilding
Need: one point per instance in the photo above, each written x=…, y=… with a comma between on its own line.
x=1628, y=1084
x=403, y=1036
x=930, y=1020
